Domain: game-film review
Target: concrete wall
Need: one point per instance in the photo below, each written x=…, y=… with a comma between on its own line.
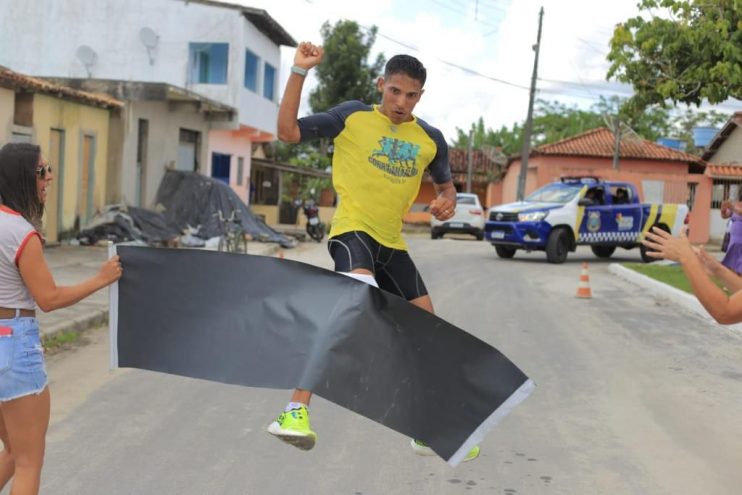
x=494, y=194
x=7, y=104
x=510, y=181
x=76, y=120
x=235, y=144
x=730, y=152
x=112, y=29
x=270, y=213
x=165, y=121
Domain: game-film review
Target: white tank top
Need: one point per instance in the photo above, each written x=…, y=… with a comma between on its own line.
x=15, y=232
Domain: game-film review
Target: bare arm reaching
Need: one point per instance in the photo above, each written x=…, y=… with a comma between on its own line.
x=722, y=308
x=731, y=280
x=44, y=290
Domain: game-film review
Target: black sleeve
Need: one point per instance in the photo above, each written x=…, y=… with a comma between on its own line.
x=439, y=168
x=330, y=123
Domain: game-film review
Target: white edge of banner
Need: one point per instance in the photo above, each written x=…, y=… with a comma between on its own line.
x=113, y=315
x=493, y=420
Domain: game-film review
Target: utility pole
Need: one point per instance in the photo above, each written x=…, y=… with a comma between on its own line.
x=468, y=161
x=529, y=120
x=617, y=141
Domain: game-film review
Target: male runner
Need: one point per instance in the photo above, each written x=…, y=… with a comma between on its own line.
x=381, y=153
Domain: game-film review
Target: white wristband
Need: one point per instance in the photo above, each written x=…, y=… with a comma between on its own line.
x=298, y=70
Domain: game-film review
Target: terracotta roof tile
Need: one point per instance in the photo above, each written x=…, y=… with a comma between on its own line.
x=723, y=171
x=600, y=143
x=14, y=80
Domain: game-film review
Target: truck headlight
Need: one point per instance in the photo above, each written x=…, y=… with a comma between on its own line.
x=532, y=216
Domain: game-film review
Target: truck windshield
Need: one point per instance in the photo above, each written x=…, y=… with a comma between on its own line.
x=555, y=193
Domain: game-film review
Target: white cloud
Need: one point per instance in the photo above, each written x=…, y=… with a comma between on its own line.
x=498, y=43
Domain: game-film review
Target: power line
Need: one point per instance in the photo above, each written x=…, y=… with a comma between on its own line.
x=457, y=66
x=492, y=4
x=592, y=46
x=587, y=86
x=459, y=11
x=474, y=72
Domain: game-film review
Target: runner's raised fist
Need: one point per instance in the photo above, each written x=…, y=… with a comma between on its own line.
x=308, y=55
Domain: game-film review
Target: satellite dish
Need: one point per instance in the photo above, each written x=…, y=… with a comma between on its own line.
x=87, y=56
x=149, y=38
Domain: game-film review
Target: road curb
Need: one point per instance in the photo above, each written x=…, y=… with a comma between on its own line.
x=665, y=292
x=81, y=322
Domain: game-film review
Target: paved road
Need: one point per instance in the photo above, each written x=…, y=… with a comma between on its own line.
x=633, y=397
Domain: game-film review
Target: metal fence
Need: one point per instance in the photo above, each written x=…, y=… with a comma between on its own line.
x=725, y=190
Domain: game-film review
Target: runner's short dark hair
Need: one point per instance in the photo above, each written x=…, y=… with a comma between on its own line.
x=407, y=65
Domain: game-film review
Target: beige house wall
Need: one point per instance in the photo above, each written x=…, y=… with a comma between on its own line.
x=77, y=121
x=730, y=152
x=7, y=105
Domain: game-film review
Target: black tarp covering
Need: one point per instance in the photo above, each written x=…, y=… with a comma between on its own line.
x=127, y=223
x=267, y=322
x=191, y=199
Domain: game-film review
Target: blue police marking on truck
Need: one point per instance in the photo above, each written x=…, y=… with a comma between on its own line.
x=593, y=221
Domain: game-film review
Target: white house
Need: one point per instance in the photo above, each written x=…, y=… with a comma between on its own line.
x=224, y=52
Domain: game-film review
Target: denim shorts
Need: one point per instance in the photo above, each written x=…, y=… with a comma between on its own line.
x=22, y=367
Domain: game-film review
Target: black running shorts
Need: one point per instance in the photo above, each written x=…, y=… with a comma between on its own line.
x=393, y=269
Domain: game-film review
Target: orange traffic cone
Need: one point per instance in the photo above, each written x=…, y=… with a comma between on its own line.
x=583, y=290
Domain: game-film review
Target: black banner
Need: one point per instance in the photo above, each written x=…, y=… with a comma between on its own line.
x=266, y=322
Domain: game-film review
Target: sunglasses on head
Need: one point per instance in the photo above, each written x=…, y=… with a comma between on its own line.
x=43, y=171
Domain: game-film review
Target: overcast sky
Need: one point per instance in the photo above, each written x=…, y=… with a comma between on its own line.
x=493, y=38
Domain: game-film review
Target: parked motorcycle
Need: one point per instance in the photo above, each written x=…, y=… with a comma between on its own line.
x=315, y=227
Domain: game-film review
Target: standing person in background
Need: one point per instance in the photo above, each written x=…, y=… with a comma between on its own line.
x=732, y=210
x=25, y=281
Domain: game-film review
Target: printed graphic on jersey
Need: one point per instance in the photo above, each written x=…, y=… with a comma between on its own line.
x=395, y=157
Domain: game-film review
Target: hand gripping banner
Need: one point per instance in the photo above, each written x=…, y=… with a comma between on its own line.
x=265, y=322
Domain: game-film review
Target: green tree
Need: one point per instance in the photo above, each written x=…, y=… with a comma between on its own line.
x=692, y=54
x=508, y=140
x=553, y=121
x=345, y=73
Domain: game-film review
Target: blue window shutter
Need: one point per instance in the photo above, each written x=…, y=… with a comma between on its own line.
x=252, y=63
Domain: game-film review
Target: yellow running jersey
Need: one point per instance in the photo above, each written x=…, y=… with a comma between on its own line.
x=377, y=167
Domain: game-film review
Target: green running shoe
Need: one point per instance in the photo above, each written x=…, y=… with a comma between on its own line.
x=421, y=448
x=293, y=428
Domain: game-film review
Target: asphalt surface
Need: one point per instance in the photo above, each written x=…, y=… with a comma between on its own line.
x=633, y=397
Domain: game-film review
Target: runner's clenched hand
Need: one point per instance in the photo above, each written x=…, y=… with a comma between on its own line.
x=308, y=55
x=442, y=208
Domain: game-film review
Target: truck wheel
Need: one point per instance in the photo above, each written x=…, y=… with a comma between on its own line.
x=643, y=249
x=603, y=251
x=557, y=246
x=505, y=252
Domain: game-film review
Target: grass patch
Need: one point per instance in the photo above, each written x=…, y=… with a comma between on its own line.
x=60, y=340
x=671, y=275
